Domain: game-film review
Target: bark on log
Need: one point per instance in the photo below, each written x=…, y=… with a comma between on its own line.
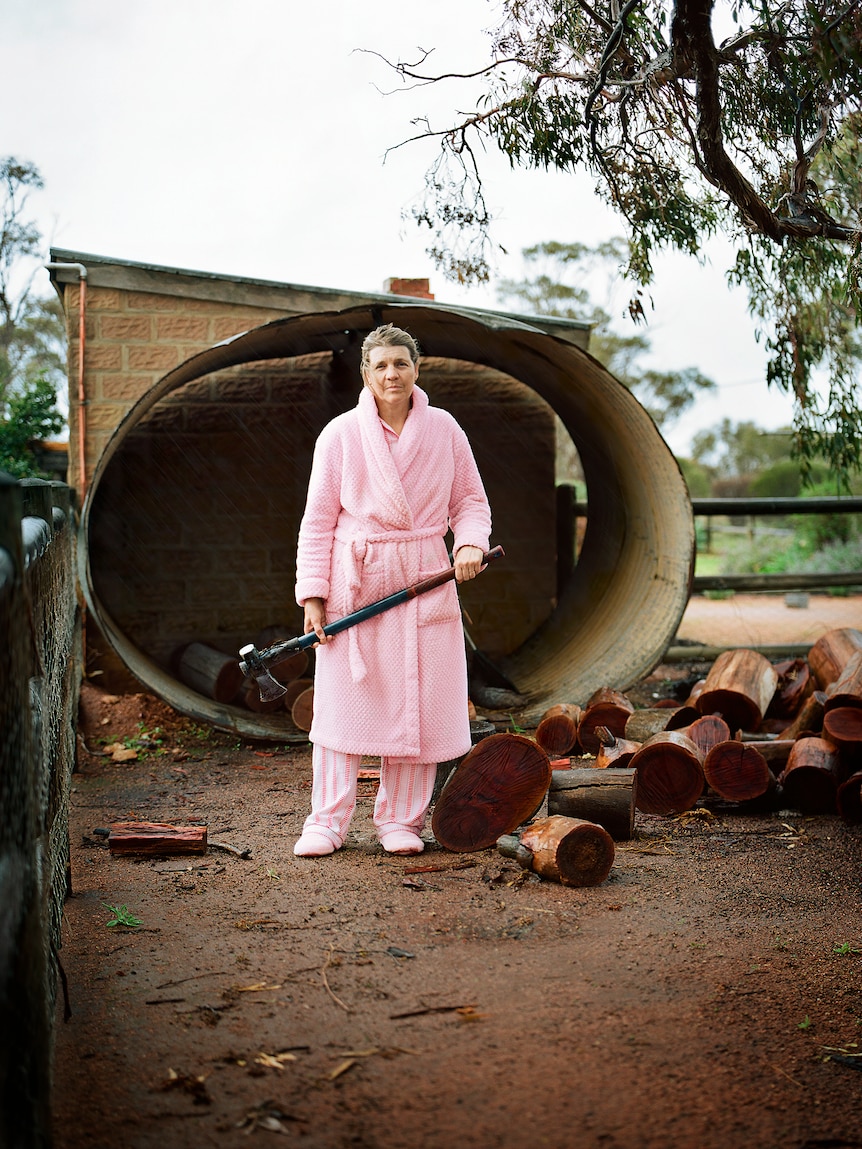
x=210, y=672
x=811, y=777
x=736, y=771
x=831, y=653
x=606, y=797
x=156, y=838
x=846, y=690
x=498, y=786
x=849, y=799
x=670, y=774
x=707, y=731
x=566, y=850
x=557, y=732
x=809, y=720
x=739, y=687
x=843, y=726
x=642, y=724
x=606, y=707
x=795, y=684
x=302, y=710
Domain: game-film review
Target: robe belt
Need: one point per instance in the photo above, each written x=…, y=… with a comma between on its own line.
x=359, y=550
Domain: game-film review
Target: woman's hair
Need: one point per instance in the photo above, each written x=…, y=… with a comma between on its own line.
x=388, y=336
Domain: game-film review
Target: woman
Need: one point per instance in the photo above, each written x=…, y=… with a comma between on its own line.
x=389, y=478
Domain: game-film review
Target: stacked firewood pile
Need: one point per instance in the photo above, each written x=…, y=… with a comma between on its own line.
x=762, y=736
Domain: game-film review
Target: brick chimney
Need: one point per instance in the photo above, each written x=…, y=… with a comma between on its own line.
x=415, y=288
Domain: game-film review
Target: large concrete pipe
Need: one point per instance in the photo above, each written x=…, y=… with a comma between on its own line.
x=191, y=518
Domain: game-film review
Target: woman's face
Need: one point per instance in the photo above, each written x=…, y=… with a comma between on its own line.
x=390, y=374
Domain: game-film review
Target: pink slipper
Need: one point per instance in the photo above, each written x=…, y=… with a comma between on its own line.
x=402, y=842
x=313, y=844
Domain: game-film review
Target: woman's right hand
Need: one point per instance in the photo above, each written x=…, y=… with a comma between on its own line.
x=315, y=619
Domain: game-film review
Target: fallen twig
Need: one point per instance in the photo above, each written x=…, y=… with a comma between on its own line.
x=430, y=1009
x=326, y=984
x=228, y=849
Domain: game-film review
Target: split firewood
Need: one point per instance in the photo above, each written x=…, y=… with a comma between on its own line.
x=795, y=684
x=846, y=690
x=498, y=786
x=605, y=707
x=156, y=838
x=707, y=731
x=210, y=672
x=604, y=796
x=831, y=653
x=613, y=751
x=811, y=777
x=739, y=687
x=849, y=799
x=670, y=774
x=843, y=726
x=736, y=771
x=303, y=709
x=566, y=850
x=557, y=731
x=809, y=720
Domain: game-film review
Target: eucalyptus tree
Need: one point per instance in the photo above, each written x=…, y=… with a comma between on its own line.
x=695, y=117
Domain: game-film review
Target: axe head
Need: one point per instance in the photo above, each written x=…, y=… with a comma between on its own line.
x=253, y=666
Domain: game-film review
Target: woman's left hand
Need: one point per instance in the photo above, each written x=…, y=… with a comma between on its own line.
x=468, y=563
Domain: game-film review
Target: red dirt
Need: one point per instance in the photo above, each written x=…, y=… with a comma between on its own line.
x=700, y=997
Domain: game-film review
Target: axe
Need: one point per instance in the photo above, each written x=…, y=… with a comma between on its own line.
x=256, y=663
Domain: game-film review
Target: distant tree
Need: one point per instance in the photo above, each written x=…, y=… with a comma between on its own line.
x=32, y=332
x=733, y=450
x=698, y=478
x=559, y=286
x=695, y=118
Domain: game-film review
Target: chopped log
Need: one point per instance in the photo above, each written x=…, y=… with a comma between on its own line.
x=707, y=731
x=566, y=850
x=613, y=751
x=811, y=777
x=843, y=726
x=642, y=724
x=557, y=731
x=498, y=786
x=696, y=692
x=210, y=672
x=846, y=690
x=736, y=771
x=606, y=797
x=795, y=684
x=739, y=687
x=293, y=690
x=156, y=838
x=849, y=799
x=670, y=774
x=810, y=717
x=606, y=707
x=682, y=717
x=774, y=751
x=831, y=653
x=302, y=710
x=249, y=696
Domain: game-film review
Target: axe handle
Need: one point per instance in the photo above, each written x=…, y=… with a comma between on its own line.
x=273, y=654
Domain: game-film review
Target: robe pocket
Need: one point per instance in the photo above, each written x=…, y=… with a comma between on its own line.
x=440, y=604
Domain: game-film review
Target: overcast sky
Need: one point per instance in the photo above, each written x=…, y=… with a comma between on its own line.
x=247, y=137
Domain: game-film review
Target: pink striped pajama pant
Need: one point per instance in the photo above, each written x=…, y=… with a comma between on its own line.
x=403, y=795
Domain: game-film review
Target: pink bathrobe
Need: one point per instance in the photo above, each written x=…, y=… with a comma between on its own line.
x=375, y=522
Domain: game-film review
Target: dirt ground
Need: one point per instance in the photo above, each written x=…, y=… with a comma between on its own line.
x=707, y=994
